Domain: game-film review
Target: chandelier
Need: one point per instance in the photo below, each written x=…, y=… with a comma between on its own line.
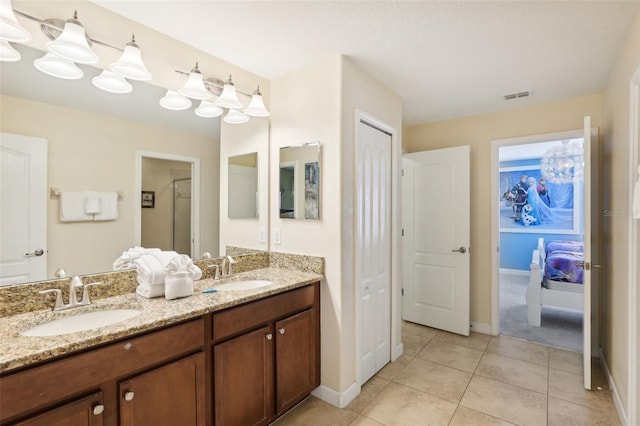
x=563, y=163
x=70, y=45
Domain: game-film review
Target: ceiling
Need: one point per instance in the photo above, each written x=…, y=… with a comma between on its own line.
x=445, y=59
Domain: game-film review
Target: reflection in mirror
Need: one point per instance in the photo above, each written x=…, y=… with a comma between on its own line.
x=300, y=181
x=243, y=186
x=92, y=139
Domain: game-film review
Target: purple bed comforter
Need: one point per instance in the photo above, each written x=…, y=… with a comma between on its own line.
x=561, y=263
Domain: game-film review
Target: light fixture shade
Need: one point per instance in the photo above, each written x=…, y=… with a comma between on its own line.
x=175, y=101
x=208, y=109
x=10, y=28
x=72, y=44
x=256, y=107
x=130, y=64
x=228, y=97
x=56, y=66
x=8, y=53
x=235, y=117
x=564, y=163
x=112, y=83
x=194, y=87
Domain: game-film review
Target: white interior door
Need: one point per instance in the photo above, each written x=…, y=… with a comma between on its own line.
x=588, y=252
x=436, y=241
x=373, y=251
x=23, y=209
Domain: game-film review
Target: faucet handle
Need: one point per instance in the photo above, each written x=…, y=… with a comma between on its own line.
x=59, y=304
x=86, y=297
x=216, y=274
x=230, y=266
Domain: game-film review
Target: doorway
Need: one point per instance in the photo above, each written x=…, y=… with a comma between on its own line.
x=168, y=217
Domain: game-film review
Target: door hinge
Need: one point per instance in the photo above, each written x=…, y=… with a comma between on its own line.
x=403, y=232
x=403, y=291
x=402, y=172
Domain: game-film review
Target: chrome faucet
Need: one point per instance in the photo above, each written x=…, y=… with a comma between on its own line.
x=228, y=260
x=74, y=283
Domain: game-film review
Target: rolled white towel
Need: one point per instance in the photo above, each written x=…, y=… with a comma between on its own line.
x=164, y=257
x=150, y=291
x=150, y=270
x=183, y=263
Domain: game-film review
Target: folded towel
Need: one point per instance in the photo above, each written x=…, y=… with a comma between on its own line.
x=150, y=291
x=72, y=207
x=150, y=270
x=125, y=261
x=91, y=202
x=183, y=263
x=109, y=206
x=178, y=284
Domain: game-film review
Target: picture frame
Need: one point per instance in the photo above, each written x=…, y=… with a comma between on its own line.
x=148, y=199
x=563, y=205
x=312, y=190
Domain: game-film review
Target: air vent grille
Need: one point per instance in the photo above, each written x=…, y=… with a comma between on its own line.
x=516, y=95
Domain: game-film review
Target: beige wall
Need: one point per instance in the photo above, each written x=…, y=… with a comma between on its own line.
x=617, y=181
x=478, y=132
x=94, y=152
x=335, y=88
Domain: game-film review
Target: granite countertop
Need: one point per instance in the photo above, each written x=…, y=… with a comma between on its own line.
x=18, y=351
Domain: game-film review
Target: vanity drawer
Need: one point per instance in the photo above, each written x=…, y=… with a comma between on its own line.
x=57, y=380
x=233, y=321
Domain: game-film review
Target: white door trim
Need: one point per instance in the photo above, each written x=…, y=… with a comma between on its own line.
x=195, y=196
x=634, y=229
x=495, y=230
x=396, y=344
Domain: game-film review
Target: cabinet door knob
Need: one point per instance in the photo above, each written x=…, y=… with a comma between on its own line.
x=98, y=409
x=281, y=330
x=129, y=396
x=269, y=336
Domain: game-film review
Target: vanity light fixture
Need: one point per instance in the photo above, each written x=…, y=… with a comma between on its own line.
x=111, y=82
x=175, y=101
x=235, y=117
x=208, y=109
x=130, y=64
x=194, y=87
x=56, y=66
x=256, y=107
x=72, y=44
x=228, y=98
x=8, y=53
x=10, y=28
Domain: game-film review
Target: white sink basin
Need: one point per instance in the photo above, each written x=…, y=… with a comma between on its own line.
x=244, y=285
x=80, y=322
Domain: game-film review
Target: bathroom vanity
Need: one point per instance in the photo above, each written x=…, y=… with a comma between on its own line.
x=227, y=358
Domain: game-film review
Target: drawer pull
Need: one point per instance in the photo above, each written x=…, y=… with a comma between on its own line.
x=269, y=336
x=98, y=409
x=281, y=331
x=127, y=346
x=129, y=396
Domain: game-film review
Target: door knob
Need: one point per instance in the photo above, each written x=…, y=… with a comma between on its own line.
x=460, y=250
x=38, y=252
x=281, y=331
x=269, y=336
x=98, y=409
x=129, y=396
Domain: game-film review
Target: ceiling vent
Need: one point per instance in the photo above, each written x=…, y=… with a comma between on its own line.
x=516, y=95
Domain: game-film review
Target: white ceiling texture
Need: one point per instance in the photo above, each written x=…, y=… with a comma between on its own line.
x=445, y=59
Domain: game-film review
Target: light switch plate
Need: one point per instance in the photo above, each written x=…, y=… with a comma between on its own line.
x=263, y=236
x=276, y=235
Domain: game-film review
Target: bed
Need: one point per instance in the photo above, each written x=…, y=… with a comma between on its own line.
x=555, y=278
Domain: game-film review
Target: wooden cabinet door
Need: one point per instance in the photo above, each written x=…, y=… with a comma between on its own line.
x=170, y=395
x=296, y=359
x=86, y=411
x=243, y=379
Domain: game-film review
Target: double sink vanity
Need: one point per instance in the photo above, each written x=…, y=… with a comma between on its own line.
x=243, y=354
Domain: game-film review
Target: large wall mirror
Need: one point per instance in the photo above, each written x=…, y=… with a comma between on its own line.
x=300, y=181
x=243, y=199
x=92, y=140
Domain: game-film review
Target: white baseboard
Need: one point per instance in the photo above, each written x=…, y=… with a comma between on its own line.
x=521, y=272
x=397, y=352
x=480, y=327
x=335, y=398
x=617, y=402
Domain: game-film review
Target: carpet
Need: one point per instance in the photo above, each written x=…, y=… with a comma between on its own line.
x=559, y=328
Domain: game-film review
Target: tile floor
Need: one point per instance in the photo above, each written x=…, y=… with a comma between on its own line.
x=447, y=379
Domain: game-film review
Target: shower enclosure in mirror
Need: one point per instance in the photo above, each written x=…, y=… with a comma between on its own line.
x=300, y=181
x=243, y=186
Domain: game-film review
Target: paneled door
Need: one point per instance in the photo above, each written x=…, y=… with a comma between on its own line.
x=373, y=250
x=436, y=241
x=23, y=209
